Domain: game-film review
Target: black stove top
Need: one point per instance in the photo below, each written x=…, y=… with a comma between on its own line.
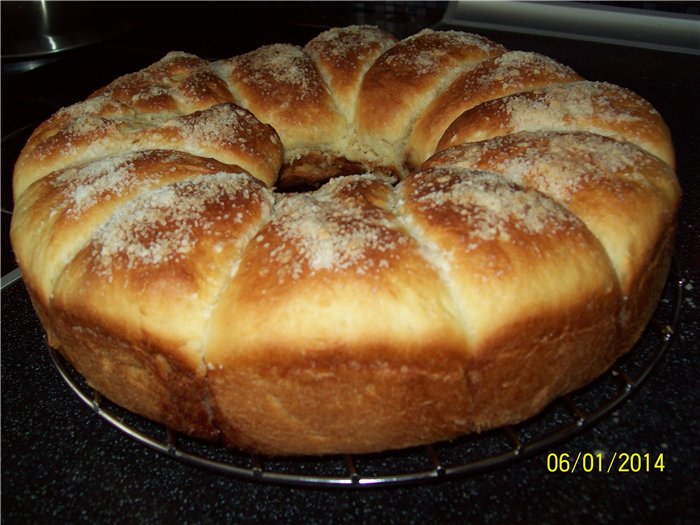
x=62, y=464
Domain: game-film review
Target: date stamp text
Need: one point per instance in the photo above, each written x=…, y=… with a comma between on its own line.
x=607, y=463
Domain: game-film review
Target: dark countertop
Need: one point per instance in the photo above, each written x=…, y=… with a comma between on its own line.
x=62, y=464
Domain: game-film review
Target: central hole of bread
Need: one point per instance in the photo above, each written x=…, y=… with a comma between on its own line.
x=312, y=170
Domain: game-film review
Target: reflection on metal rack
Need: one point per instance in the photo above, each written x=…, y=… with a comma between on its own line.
x=563, y=419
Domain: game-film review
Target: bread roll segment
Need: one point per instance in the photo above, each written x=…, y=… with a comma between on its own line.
x=597, y=107
x=506, y=74
x=225, y=132
x=282, y=87
x=343, y=55
x=336, y=267
x=396, y=304
x=179, y=83
x=623, y=194
x=404, y=80
x=88, y=130
x=169, y=251
x=58, y=215
x=533, y=286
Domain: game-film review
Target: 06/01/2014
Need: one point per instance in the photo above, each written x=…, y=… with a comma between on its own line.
x=597, y=462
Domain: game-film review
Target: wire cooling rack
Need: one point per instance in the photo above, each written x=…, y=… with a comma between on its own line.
x=563, y=419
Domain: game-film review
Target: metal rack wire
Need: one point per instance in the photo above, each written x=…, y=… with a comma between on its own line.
x=563, y=419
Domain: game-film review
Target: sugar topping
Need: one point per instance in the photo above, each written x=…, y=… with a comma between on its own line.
x=129, y=78
x=511, y=70
x=151, y=92
x=88, y=185
x=318, y=233
x=429, y=51
x=85, y=133
x=486, y=205
x=269, y=66
x=455, y=39
x=98, y=105
x=573, y=103
x=558, y=164
x=166, y=224
x=218, y=125
x=201, y=90
x=346, y=43
x=166, y=72
x=85, y=120
x=352, y=184
x=561, y=164
x=181, y=58
x=423, y=62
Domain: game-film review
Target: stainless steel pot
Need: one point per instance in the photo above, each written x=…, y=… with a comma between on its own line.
x=34, y=29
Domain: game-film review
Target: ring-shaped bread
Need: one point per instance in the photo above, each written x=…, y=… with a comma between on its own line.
x=480, y=231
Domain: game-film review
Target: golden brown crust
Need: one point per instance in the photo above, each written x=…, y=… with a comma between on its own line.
x=281, y=86
x=597, y=107
x=179, y=83
x=225, y=132
x=341, y=241
x=515, y=265
x=170, y=251
x=138, y=376
x=59, y=214
x=347, y=403
x=506, y=74
x=404, y=80
x=342, y=56
x=623, y=194
x=84, y=131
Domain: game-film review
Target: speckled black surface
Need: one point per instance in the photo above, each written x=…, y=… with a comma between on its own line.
x=62, y=464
